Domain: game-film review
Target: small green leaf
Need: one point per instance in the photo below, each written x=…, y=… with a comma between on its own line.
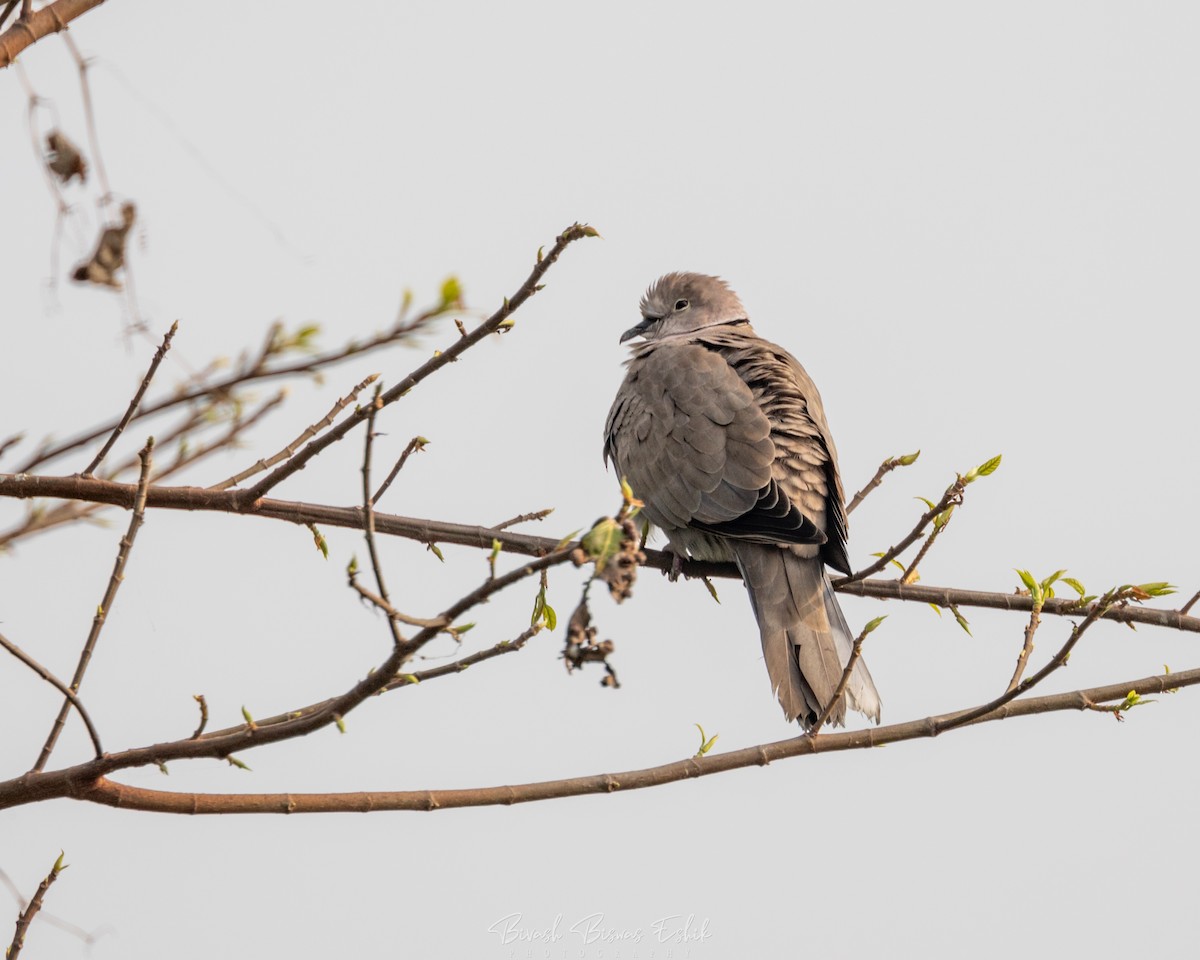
x=1159, y=588
x=235, y=762
x=961, y=620
x=451, y=292
x=1075, y=585
x=706, y=742
x=59, y=866
x=943, y=518
x=341, y=724
x=603, y=540
x=465, y=628
x=711, y=589
x=929, y=503
x=352, y=566
x=908, y=459
x=1032, y=586
x=870, y=627
x=936, y=609
x=550, y=615
x=984, y=469
x=410, y=678
x=319, y=540
x=436, y=551
x=246, y=714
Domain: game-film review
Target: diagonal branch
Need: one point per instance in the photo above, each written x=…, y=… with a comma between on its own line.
x=31, y=911
x=133, y=404
x=110, y=595
x=414, y=445
x=27, y=31
x=292, y=447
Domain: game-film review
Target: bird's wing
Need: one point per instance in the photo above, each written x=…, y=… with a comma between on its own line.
x=805, y=466
x=694, y=442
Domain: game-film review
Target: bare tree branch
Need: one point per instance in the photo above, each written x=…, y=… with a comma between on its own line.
x=439, y=531
x=414, y=445
x=31, y=911
x=888, y=465
x=104, y=791
x=110, y=595
x=292, y=447
x=133, y=404
x=27, y=31
x=491, y=325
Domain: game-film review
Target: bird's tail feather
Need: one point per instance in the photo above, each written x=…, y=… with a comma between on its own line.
x=805, y=639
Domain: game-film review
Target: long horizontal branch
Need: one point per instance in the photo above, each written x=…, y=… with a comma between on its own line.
x=52, y=18
x=113, y=794
x=21, y=486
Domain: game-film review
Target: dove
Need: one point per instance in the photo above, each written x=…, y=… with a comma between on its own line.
x=722, y=436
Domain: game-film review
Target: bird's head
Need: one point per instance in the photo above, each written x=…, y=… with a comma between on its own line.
x=678, y=304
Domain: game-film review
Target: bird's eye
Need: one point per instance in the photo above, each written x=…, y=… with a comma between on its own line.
x=681, y=304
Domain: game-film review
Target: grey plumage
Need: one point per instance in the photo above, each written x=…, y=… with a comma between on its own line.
x=723, y=436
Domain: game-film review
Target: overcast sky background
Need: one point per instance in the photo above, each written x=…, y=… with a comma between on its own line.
x=975, y=226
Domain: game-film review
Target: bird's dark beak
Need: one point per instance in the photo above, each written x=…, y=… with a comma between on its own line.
x=640, y=329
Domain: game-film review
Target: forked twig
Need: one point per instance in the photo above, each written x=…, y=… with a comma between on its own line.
x=58, y=685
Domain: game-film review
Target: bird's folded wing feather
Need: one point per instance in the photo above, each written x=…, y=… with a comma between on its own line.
x=696, y=446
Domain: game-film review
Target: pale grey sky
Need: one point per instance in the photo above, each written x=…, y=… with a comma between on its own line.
x=974, y=224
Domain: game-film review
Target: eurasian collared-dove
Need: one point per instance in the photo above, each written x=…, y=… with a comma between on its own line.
x=723, y=437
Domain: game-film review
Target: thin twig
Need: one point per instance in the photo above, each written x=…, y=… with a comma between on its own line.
x=137, y=399
x=10, y=442
x=31, y=911
x=291, y=448
x=87, y=936
x=203, y=704
x=1035, y=618
x=416, y=444
x=458, y=666
x=369, y=517
x=888, y=465
x=1186, y=608
x=110, y=594
x=831, y=706
x=388, y=610
x=58, y=685
x=90, y=116
x=953, y=495
x=910, y=574
x=524, y=517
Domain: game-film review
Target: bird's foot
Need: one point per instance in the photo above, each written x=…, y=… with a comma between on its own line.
x=676, y=565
